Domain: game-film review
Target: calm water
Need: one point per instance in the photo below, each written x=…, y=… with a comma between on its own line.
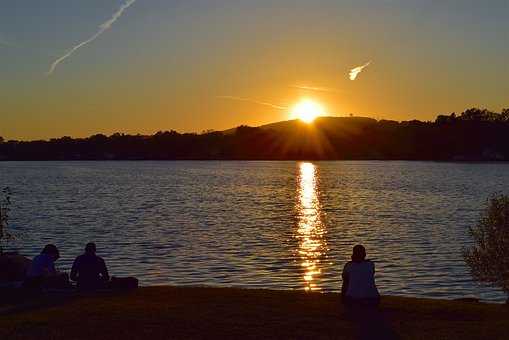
x=283, y=225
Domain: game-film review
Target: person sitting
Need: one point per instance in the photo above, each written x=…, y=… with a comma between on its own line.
x=42, y=272
x=89, y=270
x=359, y=280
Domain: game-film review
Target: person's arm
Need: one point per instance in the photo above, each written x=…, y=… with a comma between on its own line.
x=372, y=269
x=52, y=271
x=74, y=270
x=104, y=271
x=344, y=286
x=374, y=284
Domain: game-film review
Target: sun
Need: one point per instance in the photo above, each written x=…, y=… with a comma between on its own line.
x=307, y=110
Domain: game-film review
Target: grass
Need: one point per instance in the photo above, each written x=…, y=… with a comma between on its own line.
x=177, y=312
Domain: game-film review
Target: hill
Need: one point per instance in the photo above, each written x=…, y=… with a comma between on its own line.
x=474, y=135
x=327, y=123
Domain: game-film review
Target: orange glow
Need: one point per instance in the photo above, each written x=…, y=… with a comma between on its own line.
x=307, y=110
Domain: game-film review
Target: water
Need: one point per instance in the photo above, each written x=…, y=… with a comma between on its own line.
x=282, y=225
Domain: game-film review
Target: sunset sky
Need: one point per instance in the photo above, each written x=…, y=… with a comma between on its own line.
x=185, y=65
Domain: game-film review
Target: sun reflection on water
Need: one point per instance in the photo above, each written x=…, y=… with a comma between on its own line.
x=310, y=227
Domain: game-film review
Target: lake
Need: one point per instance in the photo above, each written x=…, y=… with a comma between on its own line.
x=279, y=225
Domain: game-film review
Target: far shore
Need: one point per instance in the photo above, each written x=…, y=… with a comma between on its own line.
x=167, y=312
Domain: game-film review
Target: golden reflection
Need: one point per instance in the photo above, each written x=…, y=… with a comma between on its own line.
x=310, y=230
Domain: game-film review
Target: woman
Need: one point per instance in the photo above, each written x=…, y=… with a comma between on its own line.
x=359, y=280
x=42, y=272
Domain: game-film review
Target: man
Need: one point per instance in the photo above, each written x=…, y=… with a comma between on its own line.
x=89, y=270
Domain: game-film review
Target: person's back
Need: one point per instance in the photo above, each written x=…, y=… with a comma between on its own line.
x=42, y=272
x=359, y=279
x=89, y=270
x=361, y=298
x=42, y=265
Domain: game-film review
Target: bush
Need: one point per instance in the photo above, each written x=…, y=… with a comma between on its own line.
x=488, y=258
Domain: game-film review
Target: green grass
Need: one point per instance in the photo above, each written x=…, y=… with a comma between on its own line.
x=171, y=312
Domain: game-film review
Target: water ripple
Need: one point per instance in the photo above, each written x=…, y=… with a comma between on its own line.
x=281, y=225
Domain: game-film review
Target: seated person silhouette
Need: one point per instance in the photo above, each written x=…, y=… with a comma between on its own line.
x=359, y=287
x=42, y=272
x=89, y=270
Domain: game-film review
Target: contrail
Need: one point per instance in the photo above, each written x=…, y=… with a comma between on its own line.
x=102, y=28
x=254, y=101
x=317, y=88
x=355, y=71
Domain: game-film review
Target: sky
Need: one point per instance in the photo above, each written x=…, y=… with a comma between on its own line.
x=193, y=65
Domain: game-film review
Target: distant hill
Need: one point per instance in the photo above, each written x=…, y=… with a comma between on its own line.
x=328, y=123
x=473, y=135
x=323, y=122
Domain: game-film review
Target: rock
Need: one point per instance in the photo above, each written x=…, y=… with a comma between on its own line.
x=13, y=267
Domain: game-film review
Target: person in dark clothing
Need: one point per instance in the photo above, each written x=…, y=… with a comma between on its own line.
x=42, y=273
x=89, y=270
x=358, y=275
x=362, y=299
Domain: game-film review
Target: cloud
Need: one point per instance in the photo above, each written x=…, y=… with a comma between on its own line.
x=355, y=71
x=102, y=28
x=279, y=107
x=317, y=88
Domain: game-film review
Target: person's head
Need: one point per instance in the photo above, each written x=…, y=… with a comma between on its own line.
x=90, y=248
x=359, y=253
x=51, y=250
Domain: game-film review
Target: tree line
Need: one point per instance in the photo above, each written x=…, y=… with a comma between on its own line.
x=473, y=135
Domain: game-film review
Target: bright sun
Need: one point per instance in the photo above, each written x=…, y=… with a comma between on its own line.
x=307, y=110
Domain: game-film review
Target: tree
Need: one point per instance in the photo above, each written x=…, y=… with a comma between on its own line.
x=445, y=119
x=504, y=115
x=5, y=202
x=488, y=257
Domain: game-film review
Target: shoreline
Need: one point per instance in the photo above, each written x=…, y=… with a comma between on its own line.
x=161, y=312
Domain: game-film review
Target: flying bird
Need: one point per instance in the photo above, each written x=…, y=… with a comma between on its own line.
x=102, y=28
x=356, y=70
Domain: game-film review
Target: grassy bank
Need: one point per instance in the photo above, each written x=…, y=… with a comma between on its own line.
x=170, y=312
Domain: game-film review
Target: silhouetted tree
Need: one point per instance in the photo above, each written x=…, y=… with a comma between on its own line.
x=488, y=258
x=475, y=114
x=444, y=119
x=504, y=115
